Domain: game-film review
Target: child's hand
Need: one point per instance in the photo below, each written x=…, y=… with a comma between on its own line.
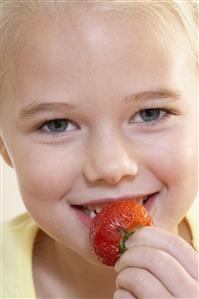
x=157, y=264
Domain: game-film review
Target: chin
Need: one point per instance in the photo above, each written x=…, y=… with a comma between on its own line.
x=93, y=260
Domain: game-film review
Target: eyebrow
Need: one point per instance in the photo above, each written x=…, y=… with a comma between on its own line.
x=161, y=93
x=34, y=109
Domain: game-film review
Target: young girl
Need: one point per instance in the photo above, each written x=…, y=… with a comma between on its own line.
x=99, y=103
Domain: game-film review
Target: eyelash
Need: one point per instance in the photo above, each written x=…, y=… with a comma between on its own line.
x=168, y=113
x=55, y=134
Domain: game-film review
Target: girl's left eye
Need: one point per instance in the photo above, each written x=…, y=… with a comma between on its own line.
x=57, y=126
x=150, y=115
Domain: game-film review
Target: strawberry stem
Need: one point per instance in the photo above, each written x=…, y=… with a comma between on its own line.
x=125, y=235
x=122, y=247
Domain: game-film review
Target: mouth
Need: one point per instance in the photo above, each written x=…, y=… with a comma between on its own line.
x=92, y=209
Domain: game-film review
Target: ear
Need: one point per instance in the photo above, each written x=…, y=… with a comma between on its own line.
x=4, y=153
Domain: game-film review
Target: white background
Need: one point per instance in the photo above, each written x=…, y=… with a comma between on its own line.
x=11, y=202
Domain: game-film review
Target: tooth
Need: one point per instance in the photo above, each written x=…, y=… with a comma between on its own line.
x=86, y=211
x=92, y=214
x=98, y=209
x=90, y=208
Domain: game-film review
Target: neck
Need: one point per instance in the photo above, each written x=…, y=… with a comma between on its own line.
x=74, y=266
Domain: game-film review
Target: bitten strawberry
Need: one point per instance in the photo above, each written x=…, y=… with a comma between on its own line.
x=113, y=226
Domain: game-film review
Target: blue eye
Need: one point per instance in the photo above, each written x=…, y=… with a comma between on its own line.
x=57, y=126
x=150, y=115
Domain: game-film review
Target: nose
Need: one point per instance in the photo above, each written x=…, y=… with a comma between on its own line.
x=110, y=162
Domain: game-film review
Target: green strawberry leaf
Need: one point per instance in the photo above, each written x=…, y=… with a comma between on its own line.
x=125, y=235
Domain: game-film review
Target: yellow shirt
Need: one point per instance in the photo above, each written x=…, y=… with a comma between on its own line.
x=17, y=244
x=17, y=247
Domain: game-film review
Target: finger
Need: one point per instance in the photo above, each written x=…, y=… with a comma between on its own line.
x=162, y=265
x=123, y=294
x=141, y=283
x=174, y=245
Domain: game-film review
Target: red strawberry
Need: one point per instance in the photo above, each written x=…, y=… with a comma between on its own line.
x=113, y=226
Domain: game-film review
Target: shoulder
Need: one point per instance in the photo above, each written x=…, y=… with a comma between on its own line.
x=12, y=229
x=17, y=240
x=17, y=223
x=17, y=228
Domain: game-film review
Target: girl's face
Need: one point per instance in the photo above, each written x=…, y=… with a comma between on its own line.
x=99, y=110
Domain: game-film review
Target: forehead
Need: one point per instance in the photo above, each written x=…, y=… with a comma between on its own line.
x=89, y=53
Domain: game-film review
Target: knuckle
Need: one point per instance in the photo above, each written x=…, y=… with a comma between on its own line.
x=132, y=277
x=160, y=259
x=122, y=278
x=140, y=277
x=177, y=244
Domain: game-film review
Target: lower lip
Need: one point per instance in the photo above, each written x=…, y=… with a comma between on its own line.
x=150, y=201
x=85, y=219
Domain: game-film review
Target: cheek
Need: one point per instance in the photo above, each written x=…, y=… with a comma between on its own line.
x=173, y=160
x=46, y=176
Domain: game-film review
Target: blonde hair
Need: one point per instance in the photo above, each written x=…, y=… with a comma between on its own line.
x=176, y=17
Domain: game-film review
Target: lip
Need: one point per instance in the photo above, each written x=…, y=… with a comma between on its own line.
x=150, y=201
x=86, y=220
x=102, y=201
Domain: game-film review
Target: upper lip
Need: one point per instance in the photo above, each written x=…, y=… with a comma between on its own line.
x=101, y=201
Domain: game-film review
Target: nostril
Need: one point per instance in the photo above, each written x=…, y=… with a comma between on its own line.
x=109, y=168
x=111, y=178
